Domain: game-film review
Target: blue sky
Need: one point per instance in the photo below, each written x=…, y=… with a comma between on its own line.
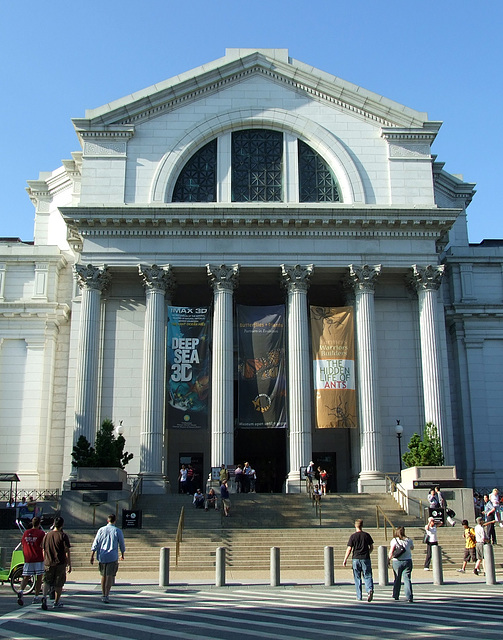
x=59, y=58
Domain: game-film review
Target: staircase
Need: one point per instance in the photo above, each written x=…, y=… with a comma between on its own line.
x=257, y=523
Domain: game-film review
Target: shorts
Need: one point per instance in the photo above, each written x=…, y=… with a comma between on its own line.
x=33, y=569
x=480, y=550
x=226, y=502
x=55, y=576
x=109, y=568
x=469, y=555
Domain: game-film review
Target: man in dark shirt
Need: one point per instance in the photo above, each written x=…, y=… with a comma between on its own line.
x=362, y=545
x=57, y=562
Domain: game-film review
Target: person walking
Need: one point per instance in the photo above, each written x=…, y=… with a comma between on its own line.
x=106, y=545
x=480, y=540
x=402, y=563
x=470, y=546
x=57, y=561
x=489, y=517
x=224, y=494
x=430, y=539
x=361, y=545
x=33, y=559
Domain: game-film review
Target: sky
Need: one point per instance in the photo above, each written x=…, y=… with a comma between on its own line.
x=58, y=59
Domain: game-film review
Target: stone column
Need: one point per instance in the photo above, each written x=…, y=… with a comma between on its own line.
x=427, y=282
x=157, y=282
x=92, y=281
x=223, y=280
x=371, y=477
x=296, y=281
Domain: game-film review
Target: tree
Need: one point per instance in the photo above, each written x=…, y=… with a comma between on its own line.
x=425, y=452
x=108, y=450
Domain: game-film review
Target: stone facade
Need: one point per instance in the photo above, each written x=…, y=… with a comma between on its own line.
x=83, y=308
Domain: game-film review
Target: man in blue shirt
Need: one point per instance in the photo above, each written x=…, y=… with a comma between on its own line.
x=106, y=545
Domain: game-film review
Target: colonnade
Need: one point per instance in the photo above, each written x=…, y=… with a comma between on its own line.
x=159, y=283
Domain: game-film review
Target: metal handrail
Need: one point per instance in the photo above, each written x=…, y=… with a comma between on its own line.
x=47, y=495
x=137, y=490
x=386, y=521
x=394, y=488
x=179, y=534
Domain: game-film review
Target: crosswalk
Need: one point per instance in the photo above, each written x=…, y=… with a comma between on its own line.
x=284, y=613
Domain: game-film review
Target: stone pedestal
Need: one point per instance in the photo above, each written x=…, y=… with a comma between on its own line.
x=93, y=494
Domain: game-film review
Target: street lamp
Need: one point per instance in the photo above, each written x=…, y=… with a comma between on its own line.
x=399, y=431
x=119, y=429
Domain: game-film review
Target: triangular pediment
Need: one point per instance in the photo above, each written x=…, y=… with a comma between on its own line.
x=237, y=66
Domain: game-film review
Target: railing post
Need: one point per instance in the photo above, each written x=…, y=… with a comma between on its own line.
x=220, y=567
x=275, y=567
x=329, y=566
x=382, y=563
x=489, y=566
x=164, y=567
x=436, y=561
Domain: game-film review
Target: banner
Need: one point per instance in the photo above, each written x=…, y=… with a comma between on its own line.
x=188, y=371
x=261, y=367
x=333, y=337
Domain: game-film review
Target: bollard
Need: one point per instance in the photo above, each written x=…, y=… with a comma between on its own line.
x=329, y=566
x=436, y=561
x=164, y=567
x=220, y=567
x=382, y=563
x=275, y=567
x=489, y=566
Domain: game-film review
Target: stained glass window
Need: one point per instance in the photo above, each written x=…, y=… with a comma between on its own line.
x=316, y=181
x=257, y=157
x=197, y=181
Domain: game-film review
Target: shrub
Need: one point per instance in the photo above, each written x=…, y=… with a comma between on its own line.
x=425, y=451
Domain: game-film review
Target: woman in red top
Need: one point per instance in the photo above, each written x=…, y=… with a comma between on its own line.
x=33, y=559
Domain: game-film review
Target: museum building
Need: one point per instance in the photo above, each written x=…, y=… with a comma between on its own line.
x=224, y=208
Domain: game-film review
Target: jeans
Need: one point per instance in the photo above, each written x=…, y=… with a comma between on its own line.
x=427, y=561
x=364, y=566
x=402, y=568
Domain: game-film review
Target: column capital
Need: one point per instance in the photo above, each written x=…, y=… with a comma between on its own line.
x=363, y=278
x=427, y=278
x=157, y=278
x=90, y=277
x=223, y=277
x=296, y=277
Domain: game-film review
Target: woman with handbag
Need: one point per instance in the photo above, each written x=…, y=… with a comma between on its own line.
x=400, y=554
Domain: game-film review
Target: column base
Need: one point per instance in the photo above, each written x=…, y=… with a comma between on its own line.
x=152, y=485
x=294, y=484
x=371, y=482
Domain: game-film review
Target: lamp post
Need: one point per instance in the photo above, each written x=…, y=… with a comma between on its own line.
x=399, y=431
x=119, y=429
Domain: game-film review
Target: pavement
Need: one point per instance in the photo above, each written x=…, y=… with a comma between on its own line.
x=191, y=607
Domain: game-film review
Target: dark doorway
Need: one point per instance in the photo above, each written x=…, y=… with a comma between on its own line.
x=265, y=450
x=326, y=461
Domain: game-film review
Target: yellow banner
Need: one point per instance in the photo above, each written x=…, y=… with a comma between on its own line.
x=333, y=342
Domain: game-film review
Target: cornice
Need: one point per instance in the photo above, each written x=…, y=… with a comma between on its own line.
x=451, y=186
x=320, y=86
x=36, y=311
x=259, y=221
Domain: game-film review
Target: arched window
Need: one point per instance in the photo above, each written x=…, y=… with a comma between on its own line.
x=250, y=165
x=197, y=181
x=316, y=181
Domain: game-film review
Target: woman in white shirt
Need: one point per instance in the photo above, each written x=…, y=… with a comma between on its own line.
x=432, y=540
x=402, y=566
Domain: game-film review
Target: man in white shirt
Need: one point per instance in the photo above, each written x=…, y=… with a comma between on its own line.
x=480, y=539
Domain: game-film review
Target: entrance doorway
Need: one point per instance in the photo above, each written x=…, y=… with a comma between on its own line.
x=265, y=450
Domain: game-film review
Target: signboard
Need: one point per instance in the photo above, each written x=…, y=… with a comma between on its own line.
x=438, y=515
x=105, y=486
x=95, y=498
x=131, y=519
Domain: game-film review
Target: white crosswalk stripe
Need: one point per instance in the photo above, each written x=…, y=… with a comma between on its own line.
x=267, y=613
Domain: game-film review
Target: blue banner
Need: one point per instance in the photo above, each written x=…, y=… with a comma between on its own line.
x=188, y=375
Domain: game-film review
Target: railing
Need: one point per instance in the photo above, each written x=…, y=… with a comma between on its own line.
x=386, y=521
x=41, y=495
x=412, y=506
x=179, y=534
x=137, y=490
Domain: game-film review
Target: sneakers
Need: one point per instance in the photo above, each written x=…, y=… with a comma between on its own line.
x=427, y=568
x=476, y=572
x=57, y=605
x=36, y=600
x=44, y=604
x=105, y=599
x=461, y=570
x=20, y=600
x=370, y=596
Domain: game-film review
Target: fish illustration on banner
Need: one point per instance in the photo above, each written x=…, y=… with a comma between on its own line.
x=188, y=371
x=333, y=338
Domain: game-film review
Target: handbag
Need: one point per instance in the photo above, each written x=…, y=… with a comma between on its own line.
x=398, y=550
x=426, y=537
